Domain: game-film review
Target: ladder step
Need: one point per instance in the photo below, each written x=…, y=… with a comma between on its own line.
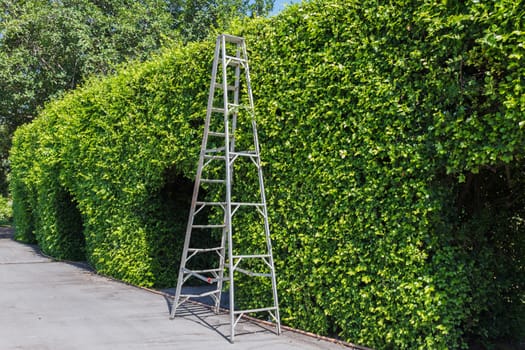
x=210, y=203
x=217, y=110
x=228, y=87
x=244, y=154
x=233, y=106
x=214, y=157
x=234, y=204
x=215, y=150
x=204, y=250
x=246, y=204
x=202, y=271
x=218, y=134
x=238, y=312
x=235, y=61
x=212, y=181
x=251, y=256
x=253, y=274
x=208, y=226
x=205, y=294
x=204, y=278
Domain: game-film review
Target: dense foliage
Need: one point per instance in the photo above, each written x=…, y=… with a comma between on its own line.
x=392, y=137
x=6, y=212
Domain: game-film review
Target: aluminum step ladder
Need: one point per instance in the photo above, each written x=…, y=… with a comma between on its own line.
x=216, y=202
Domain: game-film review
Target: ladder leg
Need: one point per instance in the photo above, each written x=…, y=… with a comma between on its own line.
x=231, y=295
x=221, y=270
x=228, y=207
x=191, y=218
x=184, y=257
x=176, y=300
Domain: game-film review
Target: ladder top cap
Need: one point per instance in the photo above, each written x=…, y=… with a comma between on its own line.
x=232, y=38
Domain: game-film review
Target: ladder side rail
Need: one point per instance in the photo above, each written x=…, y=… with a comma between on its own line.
x=228, y=189
x=236, y=88
x=247, y=74
x=222, y=258
x=234, y=112
x=220, y=54
x=196, y=185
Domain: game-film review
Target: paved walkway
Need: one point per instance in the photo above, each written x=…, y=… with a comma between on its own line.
x=55, y=305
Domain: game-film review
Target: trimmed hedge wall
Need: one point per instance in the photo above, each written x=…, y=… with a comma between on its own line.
x=121, y=144
x=392, y=136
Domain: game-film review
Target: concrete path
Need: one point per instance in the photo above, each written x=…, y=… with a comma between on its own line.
x=52, y=305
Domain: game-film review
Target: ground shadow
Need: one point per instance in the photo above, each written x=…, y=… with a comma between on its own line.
x=6, y=232
x=200, y=311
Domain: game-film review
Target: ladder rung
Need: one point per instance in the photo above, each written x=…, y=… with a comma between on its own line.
x=233, y=39
x=210, y=203
x=244, y=154
x=204, y=250
x=252, y=256
x=234, y=204
x=214, y=157
x=196, y=274
x=213, y=181
x=238, y=312
x=208, y=226
x=218, y=134
x=200, y=295
x=248, y=204
x=234, y=61
x=215, y=150
x=233, y=106
x=202, y=271
x=228, y=87
x=254, y=274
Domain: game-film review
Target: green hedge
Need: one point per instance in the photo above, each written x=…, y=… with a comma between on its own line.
x=6, y=211
x=392, y=137
x=111, y=153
